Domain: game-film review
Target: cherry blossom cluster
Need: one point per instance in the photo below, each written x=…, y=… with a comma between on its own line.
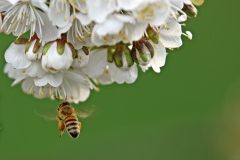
x=74, y=45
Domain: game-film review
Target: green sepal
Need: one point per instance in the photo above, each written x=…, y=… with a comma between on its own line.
x=140, y=47
x=128, y=56
x=27, y=46
x=60, y=47
x=46, y=47
x=85, y=50
x=21, y=41
x=118, y=57
x=150, y=48
x=155, y=39
x=37, y=46
x=134, y=54
x=110, y=52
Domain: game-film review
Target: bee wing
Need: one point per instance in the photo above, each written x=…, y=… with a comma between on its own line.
x=85, y=112
x=46, y=115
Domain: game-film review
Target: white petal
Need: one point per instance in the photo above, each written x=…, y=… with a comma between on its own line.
x=48, y=32
x=130, y=4
x=97, y=63
x=40, y=4
x=15, y=55
x=64, y=29
x=35, y=69
x=13, y=73
x=171, y=38
x=177, y=3
x=120, y=76
x=4, y=5
x=98, y=10
x=77, y=78
x=81, y=60
x=53, y=79
x=19, y=79
x=59, y=13
x=105, y=78
x=83, y=18
x=13, y=1
x=110, y=26
x=159, y=57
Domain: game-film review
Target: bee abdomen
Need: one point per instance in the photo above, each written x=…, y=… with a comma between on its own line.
x=72, y=126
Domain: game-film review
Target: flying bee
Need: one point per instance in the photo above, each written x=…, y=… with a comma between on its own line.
x=67, y=118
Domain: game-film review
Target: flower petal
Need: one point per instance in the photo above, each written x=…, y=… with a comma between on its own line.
x=171, y=38
x=53, y=79
x=15, y=55
x=120, y=76
x=96, y=64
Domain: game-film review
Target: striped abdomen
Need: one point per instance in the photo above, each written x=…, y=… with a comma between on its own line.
x=72, y=126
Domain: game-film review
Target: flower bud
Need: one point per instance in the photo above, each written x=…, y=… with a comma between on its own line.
x=142, y=52
x=33, y=50
x=57, y=56
x=190, y=9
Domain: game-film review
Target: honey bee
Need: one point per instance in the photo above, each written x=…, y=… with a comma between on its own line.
x=67, y=118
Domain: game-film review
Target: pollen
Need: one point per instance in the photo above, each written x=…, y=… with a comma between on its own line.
x=53, y=69
x=97, y=89
x=23, y=71
x=41, y=94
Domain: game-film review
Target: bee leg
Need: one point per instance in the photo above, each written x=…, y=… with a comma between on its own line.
x=80, y=125
x=61, y=126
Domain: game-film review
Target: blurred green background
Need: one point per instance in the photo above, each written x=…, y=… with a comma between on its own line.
x=190, y=111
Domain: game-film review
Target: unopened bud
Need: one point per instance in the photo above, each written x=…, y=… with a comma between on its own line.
x=33, y=49
x=21, y=41
x=142, y=52
x=36, y=46
x=190, y=9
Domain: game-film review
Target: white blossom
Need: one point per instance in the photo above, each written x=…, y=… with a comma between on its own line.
x=23, y=16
